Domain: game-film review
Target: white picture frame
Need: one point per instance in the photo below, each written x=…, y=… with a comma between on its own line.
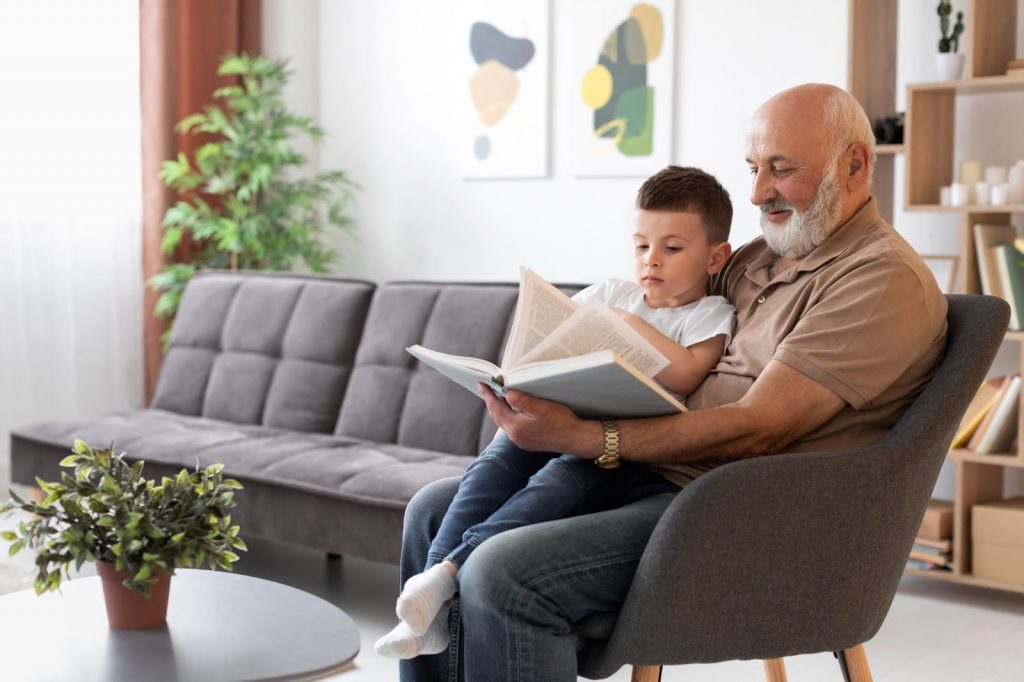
x=620, y=92
x=945, y=268
x=505, y=60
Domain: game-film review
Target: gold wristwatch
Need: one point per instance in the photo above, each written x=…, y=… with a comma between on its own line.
x=609, y=459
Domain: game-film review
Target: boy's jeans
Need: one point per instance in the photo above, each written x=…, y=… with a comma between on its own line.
x=507, y=487
x=522, y=591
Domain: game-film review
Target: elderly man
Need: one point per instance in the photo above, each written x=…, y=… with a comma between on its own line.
x=840, y=324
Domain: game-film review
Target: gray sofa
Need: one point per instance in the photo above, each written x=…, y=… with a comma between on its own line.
x=301, y=387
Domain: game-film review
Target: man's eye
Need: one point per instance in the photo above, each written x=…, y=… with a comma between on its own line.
x=673, y=249
x=782, y=171
x=641, y=247
x=753, y=171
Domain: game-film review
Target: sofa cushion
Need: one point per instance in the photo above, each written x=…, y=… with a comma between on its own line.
x=272, y=350
x=392, y=398
x=382, y=475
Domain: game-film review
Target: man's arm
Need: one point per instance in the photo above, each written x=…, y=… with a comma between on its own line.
x=781, y=406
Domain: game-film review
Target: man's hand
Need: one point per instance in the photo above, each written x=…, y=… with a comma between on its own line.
x=543, y=426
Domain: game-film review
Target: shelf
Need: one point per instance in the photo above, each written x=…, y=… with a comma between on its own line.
x=963, y=579
x=970, y=208
x=890, y=148
x=1014, y=336
x=974, y=86
x=1002, y=460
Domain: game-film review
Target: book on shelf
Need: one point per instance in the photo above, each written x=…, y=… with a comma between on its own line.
x=935, y=559
x=982, y=402
x=937, y=523
x=998, y=427
x=940, y=546
x=1010, y=266
x=583, y=356
x=1015, y=67
x=986, y=238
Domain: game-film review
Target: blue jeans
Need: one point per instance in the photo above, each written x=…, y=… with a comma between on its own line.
x=522, y=592
x=507, y=487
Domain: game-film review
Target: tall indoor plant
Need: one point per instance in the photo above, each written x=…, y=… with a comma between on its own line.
x=243, y=202
x=137, y=530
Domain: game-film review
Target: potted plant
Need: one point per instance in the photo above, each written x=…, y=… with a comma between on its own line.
x=136, y=530
x=948, y=61
x=245, y=201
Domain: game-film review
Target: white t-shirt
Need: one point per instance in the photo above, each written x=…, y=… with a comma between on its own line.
x=687, y=325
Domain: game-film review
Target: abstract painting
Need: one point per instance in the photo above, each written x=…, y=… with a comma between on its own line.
x=506, y=95
x=620, y=89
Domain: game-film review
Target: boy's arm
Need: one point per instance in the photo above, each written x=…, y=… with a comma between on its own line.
x=688, y=365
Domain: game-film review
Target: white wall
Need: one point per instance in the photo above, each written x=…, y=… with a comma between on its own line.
x=379, y=77
x=386, y=87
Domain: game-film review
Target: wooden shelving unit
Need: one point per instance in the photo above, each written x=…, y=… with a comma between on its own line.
x=930, y=130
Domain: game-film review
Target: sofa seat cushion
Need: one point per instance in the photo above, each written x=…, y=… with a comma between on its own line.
x=348, y=469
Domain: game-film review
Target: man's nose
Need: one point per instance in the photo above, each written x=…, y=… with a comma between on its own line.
x=762, y=189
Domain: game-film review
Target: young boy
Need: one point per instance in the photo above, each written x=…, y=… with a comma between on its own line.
x=681, y=239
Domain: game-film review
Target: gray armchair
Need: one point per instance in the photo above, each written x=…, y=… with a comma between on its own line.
x=797, y=553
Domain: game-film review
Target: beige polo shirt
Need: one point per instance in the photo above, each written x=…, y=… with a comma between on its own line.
x=861, y=315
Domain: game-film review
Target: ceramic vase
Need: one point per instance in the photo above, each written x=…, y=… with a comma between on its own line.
x=950, y=65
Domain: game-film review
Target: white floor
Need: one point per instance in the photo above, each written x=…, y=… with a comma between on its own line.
x=935, y=631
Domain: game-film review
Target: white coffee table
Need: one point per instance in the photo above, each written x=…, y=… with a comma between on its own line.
x=220, y=627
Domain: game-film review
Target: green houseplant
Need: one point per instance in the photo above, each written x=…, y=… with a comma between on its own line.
x=948, y=60
x=242, y=202
x=106, y=512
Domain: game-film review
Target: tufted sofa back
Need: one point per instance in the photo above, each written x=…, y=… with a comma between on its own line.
x=312, y=353
x=275, y=350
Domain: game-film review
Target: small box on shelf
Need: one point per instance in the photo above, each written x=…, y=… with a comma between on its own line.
x=937, y=524
x=997, y=534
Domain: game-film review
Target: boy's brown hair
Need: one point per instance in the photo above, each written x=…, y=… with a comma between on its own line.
x=682, y=189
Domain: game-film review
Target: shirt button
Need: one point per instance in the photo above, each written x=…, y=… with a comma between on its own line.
x=761, y=299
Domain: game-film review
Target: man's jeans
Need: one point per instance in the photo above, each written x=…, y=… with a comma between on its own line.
x=507, y=487
x=522, y=591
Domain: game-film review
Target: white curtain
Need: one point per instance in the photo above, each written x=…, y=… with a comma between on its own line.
x=70, y=211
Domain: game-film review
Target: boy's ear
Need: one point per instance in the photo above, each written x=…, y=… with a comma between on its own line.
x=719, y=255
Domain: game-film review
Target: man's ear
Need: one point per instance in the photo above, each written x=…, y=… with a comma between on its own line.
x=857, y=178
x=719, y=256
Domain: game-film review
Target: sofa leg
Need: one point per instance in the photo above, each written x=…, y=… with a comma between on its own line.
x=775, y=670
x=854, y=664
x=333, y=558
x=646, y=673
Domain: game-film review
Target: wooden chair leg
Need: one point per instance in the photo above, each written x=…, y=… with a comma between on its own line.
x=646, y=673
x=854, y=663
x=775, y=670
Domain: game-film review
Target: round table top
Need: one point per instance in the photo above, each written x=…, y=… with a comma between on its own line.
x=220, y=627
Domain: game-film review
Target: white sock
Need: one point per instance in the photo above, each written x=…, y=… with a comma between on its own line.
x=401, y=642
x=423, y=597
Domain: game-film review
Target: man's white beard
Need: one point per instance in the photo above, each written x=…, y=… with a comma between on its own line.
x=803, y=233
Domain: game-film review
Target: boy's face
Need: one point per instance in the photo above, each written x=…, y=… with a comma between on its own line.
x=672, y=257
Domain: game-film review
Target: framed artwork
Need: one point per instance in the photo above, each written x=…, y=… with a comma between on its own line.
x=620, y=86
x=945, y=270
x=505, y=99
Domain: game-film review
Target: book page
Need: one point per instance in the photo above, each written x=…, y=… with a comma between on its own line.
x=539, y=311
x=595, y=327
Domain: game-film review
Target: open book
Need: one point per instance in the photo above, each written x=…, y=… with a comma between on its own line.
x=583, y=356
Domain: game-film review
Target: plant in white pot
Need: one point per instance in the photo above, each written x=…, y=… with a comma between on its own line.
x=136, y=530
x=949, y=61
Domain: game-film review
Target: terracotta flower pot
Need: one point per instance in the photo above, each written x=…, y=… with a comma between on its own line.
x=128, y=609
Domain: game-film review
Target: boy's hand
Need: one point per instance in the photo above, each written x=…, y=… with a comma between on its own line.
x=543, y=426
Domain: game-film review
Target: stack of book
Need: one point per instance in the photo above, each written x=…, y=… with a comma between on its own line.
x=1001, y=267
x=990, y=424
x=933, y=547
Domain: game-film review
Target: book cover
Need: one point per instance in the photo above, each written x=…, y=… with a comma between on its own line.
x=1002, y=429
x=1010, y=266
x=944, y=546
x=986, y=238
x=982, y=402
x=982, y=429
